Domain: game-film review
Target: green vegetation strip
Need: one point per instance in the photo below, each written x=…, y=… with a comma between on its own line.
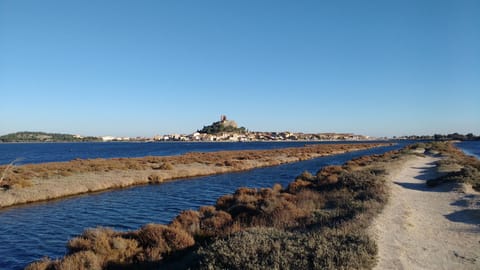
x=317, y=222
x=455, y=166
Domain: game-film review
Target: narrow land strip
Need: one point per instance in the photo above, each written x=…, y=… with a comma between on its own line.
x=428, y=228
x=41, y=182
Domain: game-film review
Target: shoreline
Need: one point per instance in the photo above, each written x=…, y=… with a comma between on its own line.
x=57, y=180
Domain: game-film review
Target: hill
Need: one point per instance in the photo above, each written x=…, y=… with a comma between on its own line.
x=223, y=125
x=29, y=136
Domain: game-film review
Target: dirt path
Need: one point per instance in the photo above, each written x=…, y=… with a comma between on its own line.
x=428, y=228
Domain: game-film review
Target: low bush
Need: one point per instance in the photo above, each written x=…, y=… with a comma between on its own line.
x=455, y=166
x=158, y=240
x=155, y=179
x=107, y=245
x=188, y=221
x=44, y=263
x=83, y=260
x=269, y=248
x=467, y=174
x=12, y=176
x=317, y=222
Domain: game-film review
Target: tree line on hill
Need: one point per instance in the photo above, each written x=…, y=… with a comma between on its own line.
x=219, y=127
x=448, y=137
x=28, y=136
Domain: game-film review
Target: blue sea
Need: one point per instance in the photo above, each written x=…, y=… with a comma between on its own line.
x=470, y=148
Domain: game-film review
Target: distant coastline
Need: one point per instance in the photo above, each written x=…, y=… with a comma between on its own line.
x=43, y=137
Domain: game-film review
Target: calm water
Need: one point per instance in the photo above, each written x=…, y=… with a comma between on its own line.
x=470, y=148
x=48, y=152
x=32, y=231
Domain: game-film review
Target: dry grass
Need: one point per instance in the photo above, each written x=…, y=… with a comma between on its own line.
x=188, y=221
x=234, y=159
x=40, y=182
x=270, y=248
x=44, y=263
x=317, y=222
x=455, y=166
x=10, y=178
x=107, y=246
x=159, y=240
x=163, y=166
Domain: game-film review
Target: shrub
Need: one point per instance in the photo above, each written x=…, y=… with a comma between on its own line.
x=158, y=240
x=309, y=200
x=12, y=177
x=92, y=239
x=108, y=245
x=214, y=222
x=467, y=174
x=298, y=185
x=43, y=264
x=305, y=176
x=268, y=248
x=188, y=221
x=456, y=166
x=366, y=185
x=277, y=188
x=328, y=175
x=155, y=179
x=83, y=260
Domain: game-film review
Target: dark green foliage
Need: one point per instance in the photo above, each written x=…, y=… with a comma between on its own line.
x=333, y=236
x=28, y=136
x=269, y=248
x=467, y=174
x=455, y=166
x=365, y=184
x=456, y=137
x=219, y=127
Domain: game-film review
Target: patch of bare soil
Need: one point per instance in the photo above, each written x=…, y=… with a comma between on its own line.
x=428, y=228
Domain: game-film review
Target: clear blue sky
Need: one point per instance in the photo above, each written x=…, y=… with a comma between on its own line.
x=129, y=68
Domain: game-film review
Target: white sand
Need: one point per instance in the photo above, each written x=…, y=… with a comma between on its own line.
x=428, y=228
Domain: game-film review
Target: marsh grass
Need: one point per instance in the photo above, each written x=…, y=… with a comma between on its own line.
x=232, y=160
x=318, y=222
x=455, y=166
x=11, y=177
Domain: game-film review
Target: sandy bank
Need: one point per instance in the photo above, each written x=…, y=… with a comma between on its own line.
x=56, y=180
x=428, y=228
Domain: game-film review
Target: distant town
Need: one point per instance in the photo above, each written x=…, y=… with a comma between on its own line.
x=222, y=131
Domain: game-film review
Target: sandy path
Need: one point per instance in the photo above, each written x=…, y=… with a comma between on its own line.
x=428, y=228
